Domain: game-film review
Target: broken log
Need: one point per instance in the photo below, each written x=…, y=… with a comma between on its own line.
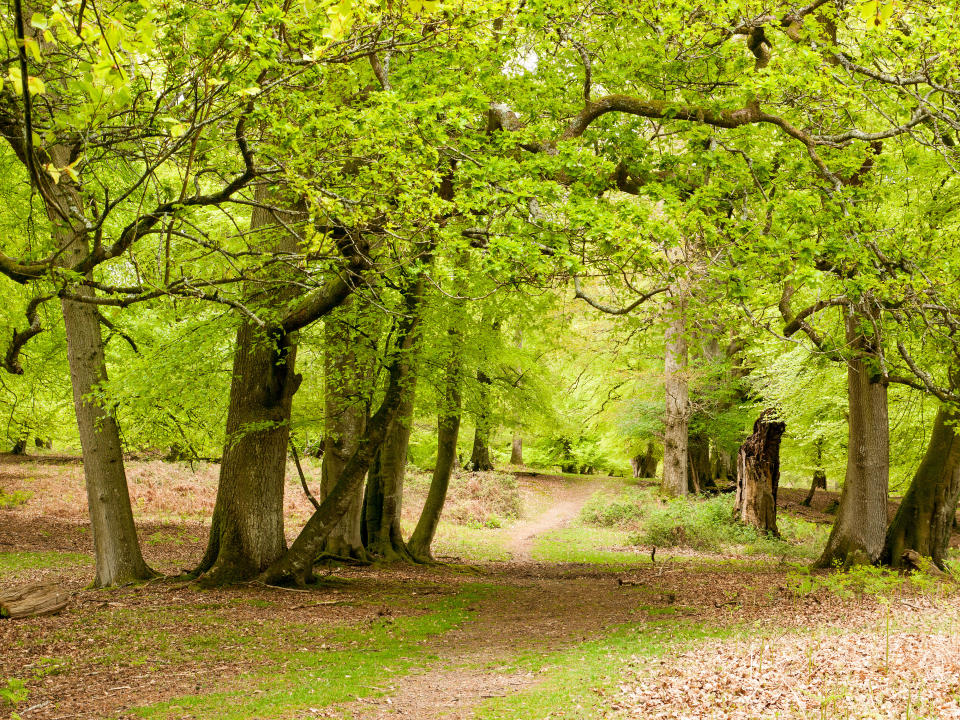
x=32, y=600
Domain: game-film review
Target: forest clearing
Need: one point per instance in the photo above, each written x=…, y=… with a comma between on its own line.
x=557, y=613
x=479, y=359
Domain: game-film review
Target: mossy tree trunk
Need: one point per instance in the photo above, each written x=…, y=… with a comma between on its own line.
x=119, y=559
x=448, y=430
x=857, y=536
x=480, y=455
x=925, y=518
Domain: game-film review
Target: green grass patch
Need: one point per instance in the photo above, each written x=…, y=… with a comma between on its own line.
x=14, y=499
x=358, y=661
x=577, y=544
x=580, y=679
x=473, y=544
x=20, y=561
x=624, y=509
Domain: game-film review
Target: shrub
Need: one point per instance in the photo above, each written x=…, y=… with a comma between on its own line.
x=624, y=510
x=708, y=525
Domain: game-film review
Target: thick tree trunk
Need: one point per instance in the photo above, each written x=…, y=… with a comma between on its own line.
x=677, y=416
x=346, y=409
x=118, y=556
x=722, y=465
x=858, y=533
x=448, y=430
x=297, y=562
x=384, y=497
x=516, y=450
x=246, y=532
x=758, y=474
x=926, y=515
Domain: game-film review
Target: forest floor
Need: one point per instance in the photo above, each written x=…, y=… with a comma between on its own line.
x=549, y=605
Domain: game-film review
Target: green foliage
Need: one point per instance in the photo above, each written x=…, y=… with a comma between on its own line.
x=624, y=510
x=14, y=499
x=860, y=580
x=708, y=525
x=15, y=692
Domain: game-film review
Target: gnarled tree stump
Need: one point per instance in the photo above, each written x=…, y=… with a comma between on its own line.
x=758, y=474
x=32, y=600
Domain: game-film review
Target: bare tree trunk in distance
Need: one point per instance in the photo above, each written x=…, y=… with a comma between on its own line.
x=926, y=515
x=480, y=455
x=758, y=474
x=819, y=482
x=858, y=533
x=677, y=416
x=516, y=450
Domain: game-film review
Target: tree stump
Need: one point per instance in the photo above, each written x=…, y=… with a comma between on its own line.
x=758, y=474
x=32, y=600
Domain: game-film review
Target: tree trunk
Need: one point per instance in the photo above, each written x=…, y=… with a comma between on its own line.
x=346, y=408
x=857, y=536
x=384, y=497
x=758, y=474
x=246, y=532
x=722, y=465
x=119, y=559
x=448, y=430
x=480, y=455
x=516, y=450
x=819, y=481
x=677, y=416
x=645, y=464
x=700, y=476
x=297, y=562
x=926, y=515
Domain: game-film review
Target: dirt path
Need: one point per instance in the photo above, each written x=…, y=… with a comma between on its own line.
x=566, y=501
x=545, y=611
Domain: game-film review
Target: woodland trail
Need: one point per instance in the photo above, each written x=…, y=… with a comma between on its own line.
x=546, y=608
x=566, y=500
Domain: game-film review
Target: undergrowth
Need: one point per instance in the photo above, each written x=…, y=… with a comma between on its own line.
x=704, y=524
x=14, y=499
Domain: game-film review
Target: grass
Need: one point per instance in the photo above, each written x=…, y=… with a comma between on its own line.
x=476, y=544
x=351, y=663
x=14, y=499
x=577, y=681
x=578, y=544
x=12, y=563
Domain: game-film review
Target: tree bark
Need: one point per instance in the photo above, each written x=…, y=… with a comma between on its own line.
x=384, y=497
x=677, y=415
x=700, y=476
x=758, y=474
x=297, y=563
x=119, y=559
x=858, y=532
x=926, y=515
x=246, y=532
x=819, y=482
x=346, y=408
x=480, y=455
x=448, y=430
x=516, y=450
